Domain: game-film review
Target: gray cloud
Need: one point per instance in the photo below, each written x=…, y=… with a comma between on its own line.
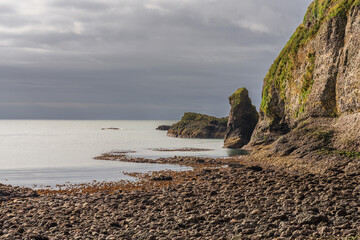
x=6, y=9
x=151, y=59
x=92, y=6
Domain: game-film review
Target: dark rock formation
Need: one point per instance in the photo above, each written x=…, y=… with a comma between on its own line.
x=311, y=95
x=163, y=127
x=196, y=125
x=242, y=119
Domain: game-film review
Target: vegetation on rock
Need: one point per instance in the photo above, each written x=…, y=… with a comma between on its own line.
x=310, y=109
x=196, y=125
x=308, y=80
x=281, y=73
x=243, y=118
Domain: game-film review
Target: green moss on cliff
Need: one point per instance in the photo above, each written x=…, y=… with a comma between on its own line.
x=238, y=93
x=324, y=136
x=238, y=97
x=307, y=82
x=241, y=98
x=348, y=154
x=281, y=71
x=343, y=7
x=308, y=78
x=201, y=118
x=320, y=10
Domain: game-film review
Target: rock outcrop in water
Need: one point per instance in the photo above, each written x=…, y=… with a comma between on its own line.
x=311, y=94
x=242, y=119
x=196, y=125
x=163, y=128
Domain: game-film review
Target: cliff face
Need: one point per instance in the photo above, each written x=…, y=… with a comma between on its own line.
x=315, y=82
x=242, y=119
x=196, y=125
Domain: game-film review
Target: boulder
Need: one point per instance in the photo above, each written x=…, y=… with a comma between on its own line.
x=243, y=118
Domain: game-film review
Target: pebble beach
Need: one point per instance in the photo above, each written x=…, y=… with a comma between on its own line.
x=218, y=199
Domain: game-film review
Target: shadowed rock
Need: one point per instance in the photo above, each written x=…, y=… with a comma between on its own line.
x=242, y=119
x=163, y=127
x=196, y=125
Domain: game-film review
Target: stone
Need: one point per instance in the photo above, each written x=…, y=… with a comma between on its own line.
x=213, y=193
x=234, y=221
x=249, y=231
x=255, y=212
x=38, y=237
x=255, y=168
x=282, y=217
x=310, y=218
x=162, y=178
x=352, y=169
x=243, y=118
x=341, y=213
x=324, y=230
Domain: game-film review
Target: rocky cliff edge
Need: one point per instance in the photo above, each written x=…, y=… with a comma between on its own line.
x=310, y=106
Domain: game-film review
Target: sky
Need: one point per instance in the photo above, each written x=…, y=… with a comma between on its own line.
x=137, y=59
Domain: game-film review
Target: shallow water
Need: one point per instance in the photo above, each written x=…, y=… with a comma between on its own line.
x=49, y=152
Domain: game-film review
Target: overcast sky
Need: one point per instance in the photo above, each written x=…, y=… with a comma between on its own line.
x=137, y=59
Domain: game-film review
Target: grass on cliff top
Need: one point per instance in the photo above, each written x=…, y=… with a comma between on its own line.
x=189, y=116
x=196, y=120
x=281, y=71
x=241, y=96
x=238, y=94
x=348, y=154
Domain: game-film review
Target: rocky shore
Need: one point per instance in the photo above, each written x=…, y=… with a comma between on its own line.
x=301, y=181
x=219, y=199
x=196, y=125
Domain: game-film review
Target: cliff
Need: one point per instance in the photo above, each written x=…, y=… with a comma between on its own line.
x=242, y=119
x=311, y=94
x=196, y=125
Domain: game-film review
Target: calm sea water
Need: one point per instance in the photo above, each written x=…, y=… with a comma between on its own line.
x=49, y=152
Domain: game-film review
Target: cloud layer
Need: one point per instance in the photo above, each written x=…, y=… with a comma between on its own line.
x=143, y=59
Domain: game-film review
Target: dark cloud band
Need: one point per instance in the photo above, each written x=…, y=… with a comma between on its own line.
x=136, y=59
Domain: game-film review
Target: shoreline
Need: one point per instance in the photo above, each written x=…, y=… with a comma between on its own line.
x=218, y=199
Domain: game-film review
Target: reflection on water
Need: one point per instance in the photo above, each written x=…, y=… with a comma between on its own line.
x=50, y=177
x=48, y=152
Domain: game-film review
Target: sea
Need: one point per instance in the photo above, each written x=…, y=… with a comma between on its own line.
x=47, y=153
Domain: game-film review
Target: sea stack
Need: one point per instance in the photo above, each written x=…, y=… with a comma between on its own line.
x=242, y=119
x=163, y=128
